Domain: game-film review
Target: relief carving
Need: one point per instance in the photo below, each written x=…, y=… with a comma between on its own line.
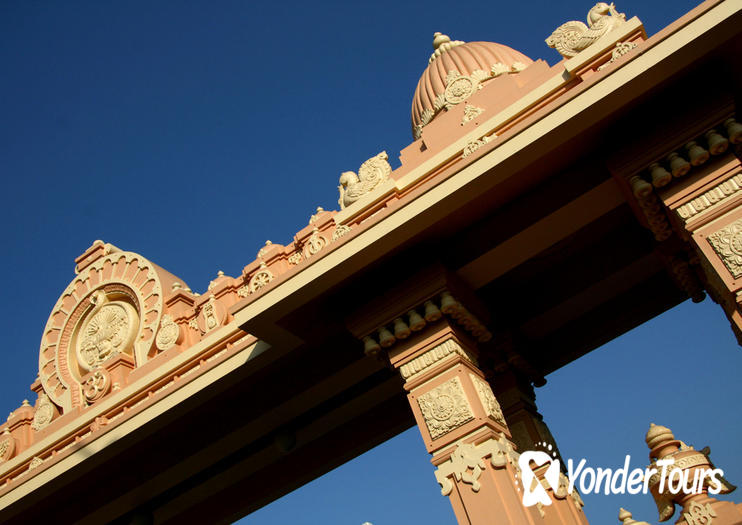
x=445, y=408
x=489, y=402
x=474, y=145
x=261, y=278
x=727, y=243
x=315, y=243
x=108, y=330
x=700, y=514
x=44, y=413
x=114, y=305
x=469, y=457
x=725, y=190
x=340, y=230
x=572, y=37
x=169, y=332
x=620, y=50
x=7, y=446
x=433, y=356
x=470, y=113
x=97, y=385
x=209, y=311
x=35, y=463
x=371, y=174
x=460, y=87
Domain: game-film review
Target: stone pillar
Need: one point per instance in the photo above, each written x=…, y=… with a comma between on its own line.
x=430, y=330
x=517, y=398
x=697, y=507
x=463, y=427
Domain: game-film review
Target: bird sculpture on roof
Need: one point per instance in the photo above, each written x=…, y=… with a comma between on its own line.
x=371, y=173
x=572, y=37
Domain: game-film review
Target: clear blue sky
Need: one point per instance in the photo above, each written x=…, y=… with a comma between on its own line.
x=160, y=127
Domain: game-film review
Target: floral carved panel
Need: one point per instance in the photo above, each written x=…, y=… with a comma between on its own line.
x=445, y=408
x=727, y=243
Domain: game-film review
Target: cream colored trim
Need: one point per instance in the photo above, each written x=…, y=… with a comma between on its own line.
x=433, y=356
x=531, y=99
x=470, y=457
x=362, y=205
x=524, y=103
x=172, y=399
x=705, y=203
x=603, y=44
x=517, y=108
x=588, y=99
x=117, y=398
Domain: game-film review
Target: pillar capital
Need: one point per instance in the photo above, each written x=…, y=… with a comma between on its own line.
x=686, y=187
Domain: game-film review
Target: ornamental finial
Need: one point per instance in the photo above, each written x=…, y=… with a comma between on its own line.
x=441, y=44
x=626, y=518
x=439, y=39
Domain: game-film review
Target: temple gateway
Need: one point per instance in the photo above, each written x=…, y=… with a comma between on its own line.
x=524, y=172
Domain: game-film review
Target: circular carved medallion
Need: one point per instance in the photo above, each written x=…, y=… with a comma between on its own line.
x=459, y=90
x=443, y=407
x=169, y=332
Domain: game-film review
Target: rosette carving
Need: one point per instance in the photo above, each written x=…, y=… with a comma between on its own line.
x=261, y=278
x=445, y=408
x=169, y=333
x=727, y=243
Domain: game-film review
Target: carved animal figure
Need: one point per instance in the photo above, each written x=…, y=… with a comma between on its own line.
x=572, y=37
x=371, y=173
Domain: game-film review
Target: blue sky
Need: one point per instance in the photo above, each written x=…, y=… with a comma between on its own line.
x=180, y=128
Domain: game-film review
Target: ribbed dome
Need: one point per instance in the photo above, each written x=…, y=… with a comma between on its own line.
x=471, y=63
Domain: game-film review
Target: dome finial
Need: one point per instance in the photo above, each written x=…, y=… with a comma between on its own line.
x=440, y=39
x=441, y=44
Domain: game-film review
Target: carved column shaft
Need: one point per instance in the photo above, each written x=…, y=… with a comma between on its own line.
x=464, y=429
x=518, y=400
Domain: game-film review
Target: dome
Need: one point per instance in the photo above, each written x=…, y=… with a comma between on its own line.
x=456, y=70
